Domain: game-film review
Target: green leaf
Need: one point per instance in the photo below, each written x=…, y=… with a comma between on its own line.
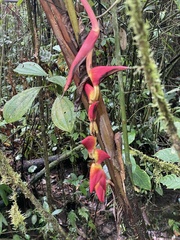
x=60, y=80
x=34, y=219
x=2, y=220
x=177, y=124
x=30, y=68
x=171, y=181
x=72, y=218
x=16, y=237
x=131, y=136
x=63, y=114
x=56, y=212
x=168, y=155
x=141, y=179
x=19, y=2
x=57, y=48
x=84, y=212
x=177, y=3
x=4, y=191
x=32, y=168
x=46, y=206
x=18, y=105
x=4, y=139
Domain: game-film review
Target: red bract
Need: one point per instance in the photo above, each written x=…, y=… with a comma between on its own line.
x=81, y=55
x=92, y=17
x=99, y=156
x=90, y=144
x=92, y=118
x=97, y=74
x=98, y=181
x=92, y=111
x=91, y=92
x=87, y=46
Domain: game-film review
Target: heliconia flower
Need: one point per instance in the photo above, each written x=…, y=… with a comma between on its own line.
x=92, y=111
x=92, y=118
x=97, y=74
x=91, y=92
x=99, y=156
x=98, y=181
x=90, y=144
x=87, y=46
x=92, y=17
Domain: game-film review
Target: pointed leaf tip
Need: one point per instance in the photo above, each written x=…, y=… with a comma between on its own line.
x=81, y=55
x=97, y=74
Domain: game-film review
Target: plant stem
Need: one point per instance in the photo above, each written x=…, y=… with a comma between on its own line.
x=121, y=91
x=150, y=70
x=45, y=150
x=53, y=164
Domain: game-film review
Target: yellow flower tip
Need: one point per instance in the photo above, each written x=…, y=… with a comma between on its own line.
x=93, y=130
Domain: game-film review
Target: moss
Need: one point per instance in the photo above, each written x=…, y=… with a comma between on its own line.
x=151, y=73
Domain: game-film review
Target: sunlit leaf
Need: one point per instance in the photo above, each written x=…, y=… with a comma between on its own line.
x=18, y=105
x=141, y=178
x=32, y=168
x=168, y=155
x=57, y=48
x=19, y=2
x=34, y=219
x=56, y=212
x=30, y=68
x=131, y=136
x=63, y=114
x=171, y=181
x=60, y=80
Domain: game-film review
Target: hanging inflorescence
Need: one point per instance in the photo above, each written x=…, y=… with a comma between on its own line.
x=96, y=75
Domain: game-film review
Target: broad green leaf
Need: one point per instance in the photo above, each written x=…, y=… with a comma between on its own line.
x=63, y=114
x=171, y=181
x=30, y=68
x=141, y=179
x=177, y=3
x=18, y=105
x=168, y=155
x=60, y=80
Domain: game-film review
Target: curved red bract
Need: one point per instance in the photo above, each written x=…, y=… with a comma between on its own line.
x=98, y=181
